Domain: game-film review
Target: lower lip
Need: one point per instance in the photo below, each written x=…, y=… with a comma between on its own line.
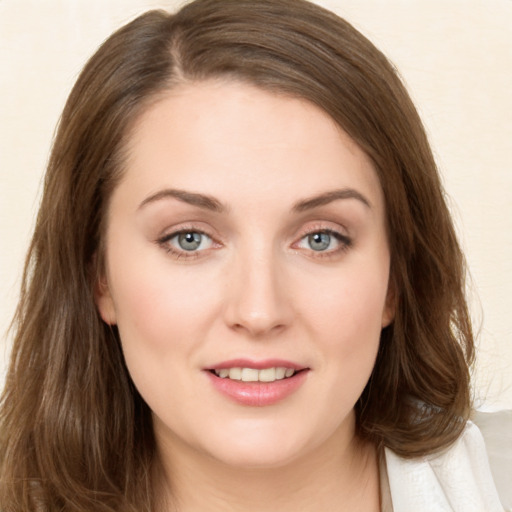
x=258, y=394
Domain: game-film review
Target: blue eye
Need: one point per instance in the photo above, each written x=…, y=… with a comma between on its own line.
x=319, y=241
x=327, y=241
x=190, y=241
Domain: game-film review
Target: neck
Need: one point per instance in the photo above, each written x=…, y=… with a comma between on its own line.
x=335, y=477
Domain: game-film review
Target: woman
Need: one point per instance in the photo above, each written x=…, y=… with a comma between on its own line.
x=244, y=290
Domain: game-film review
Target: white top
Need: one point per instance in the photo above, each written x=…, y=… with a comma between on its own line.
x=473, y=475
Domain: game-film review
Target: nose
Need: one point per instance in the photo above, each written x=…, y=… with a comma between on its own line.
x=259, y=303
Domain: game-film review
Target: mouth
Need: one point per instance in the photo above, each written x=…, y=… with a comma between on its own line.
x=256, y=375
x=257, y=383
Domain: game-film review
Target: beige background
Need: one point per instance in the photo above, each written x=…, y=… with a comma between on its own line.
x=454, y=55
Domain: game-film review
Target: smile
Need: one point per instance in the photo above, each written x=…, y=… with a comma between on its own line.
x=257, y=383
x=254, y=375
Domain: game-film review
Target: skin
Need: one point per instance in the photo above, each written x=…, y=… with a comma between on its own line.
x=255, y=288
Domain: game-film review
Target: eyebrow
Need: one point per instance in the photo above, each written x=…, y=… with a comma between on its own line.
x=329, y=197
x=210, y=203
x=201, y=200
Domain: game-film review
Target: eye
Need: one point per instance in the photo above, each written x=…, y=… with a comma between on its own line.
x=191, y=241
x=324, y=241
x=319, y=241
x=186, y=242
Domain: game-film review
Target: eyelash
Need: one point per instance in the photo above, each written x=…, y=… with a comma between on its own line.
x=164, y=242
x=345, y=243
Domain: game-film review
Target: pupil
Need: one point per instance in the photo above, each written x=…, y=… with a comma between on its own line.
x=189, y=241
x=319, y=241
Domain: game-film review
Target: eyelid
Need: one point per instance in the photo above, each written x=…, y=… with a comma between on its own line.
x=336, y=228
x=344, y=239
x=338, y=232
x=164, y=241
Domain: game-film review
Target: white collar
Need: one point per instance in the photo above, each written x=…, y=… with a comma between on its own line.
x=456, y=480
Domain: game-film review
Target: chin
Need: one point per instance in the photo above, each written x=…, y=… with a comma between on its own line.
x=259, y=446
x=256, y=457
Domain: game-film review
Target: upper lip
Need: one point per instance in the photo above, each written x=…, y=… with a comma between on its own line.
x=257, y=365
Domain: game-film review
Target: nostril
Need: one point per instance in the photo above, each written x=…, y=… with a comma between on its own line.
x=259, y=329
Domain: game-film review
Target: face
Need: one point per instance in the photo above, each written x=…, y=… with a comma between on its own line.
x=247, y=271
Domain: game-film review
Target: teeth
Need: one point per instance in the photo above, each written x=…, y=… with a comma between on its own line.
x=280, y=373
x=235, y=373
x=267, y=375
x=253, y=375
x=249, y=375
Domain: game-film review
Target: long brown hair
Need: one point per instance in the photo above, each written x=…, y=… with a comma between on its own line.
x=74, y=433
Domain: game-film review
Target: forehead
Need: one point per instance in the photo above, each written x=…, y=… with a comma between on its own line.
x=219, y=137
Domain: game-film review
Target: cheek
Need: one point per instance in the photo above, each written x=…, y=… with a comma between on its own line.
x=347, y=322
x=162, y=307
x=351, y=307
x=161, y=317
x=145, y=311
x=158, y=304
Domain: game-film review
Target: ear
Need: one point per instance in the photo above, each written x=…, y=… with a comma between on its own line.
x=388, y=314
x=104, y=301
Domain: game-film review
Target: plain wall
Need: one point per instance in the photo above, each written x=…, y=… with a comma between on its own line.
x=454, y=55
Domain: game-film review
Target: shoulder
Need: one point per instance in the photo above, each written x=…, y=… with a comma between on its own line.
x=496, y=429
x=459, y=479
